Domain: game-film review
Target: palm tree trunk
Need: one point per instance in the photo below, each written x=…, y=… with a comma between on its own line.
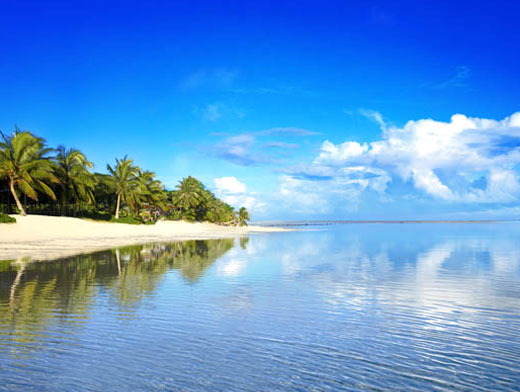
x=117, y=205
x=18, y=204
x=63, y=205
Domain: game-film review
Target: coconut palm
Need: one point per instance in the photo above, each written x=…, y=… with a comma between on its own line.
x=153, y=197
x=152, y=189
x=76, y=182
x=219, y=211
x=123, y=182
x=25, y=162
x=189, y=196
x=242, y=217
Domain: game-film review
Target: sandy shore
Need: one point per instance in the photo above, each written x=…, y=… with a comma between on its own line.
x=47, y=237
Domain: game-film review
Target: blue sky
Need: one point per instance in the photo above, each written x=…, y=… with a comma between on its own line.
x=295, y=109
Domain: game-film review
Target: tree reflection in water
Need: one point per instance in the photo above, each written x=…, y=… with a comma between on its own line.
x=35, y=295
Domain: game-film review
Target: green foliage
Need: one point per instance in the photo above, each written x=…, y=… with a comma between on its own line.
x=190, y=198
x=242, y=217
x=193, y=202
x=75, y=180
x=25, y=163
x=127, y=219
x=4, y=218
x=153, y=199
x=130, y=193
x=124, y=183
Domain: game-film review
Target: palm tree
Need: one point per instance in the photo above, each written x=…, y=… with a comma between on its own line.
x=123, y=181
x=152, y=194
x=219, y=211
x=188, y=196
x=242, y=217
x=25, y=162
x=152, y=189
x=77, y=183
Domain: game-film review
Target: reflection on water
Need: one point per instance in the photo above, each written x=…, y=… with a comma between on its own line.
x=35, y=294
x=374, y=307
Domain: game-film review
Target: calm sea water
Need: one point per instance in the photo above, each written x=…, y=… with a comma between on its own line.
x=374, y=307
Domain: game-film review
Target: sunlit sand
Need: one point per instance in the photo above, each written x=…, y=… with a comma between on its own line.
x=49, y=237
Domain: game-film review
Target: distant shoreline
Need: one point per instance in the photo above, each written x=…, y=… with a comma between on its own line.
x=404, y=221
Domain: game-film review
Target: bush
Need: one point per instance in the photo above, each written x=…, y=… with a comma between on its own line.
x=127, y=219
x=4, y=218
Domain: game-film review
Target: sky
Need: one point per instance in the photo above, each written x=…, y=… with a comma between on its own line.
x=295, y=109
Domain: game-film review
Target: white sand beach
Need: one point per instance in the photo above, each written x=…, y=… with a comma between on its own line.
x=36, y=237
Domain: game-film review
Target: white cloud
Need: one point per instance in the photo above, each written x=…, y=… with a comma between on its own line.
x=335, y=191
x=373, y=115
x=330, y=153
x=302, y=196
x=229, y=185
x=426, y=180
x=426, y=168
x=441, y=159
x=234, y=192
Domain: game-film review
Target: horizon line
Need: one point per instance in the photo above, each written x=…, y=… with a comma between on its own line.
x=324, y=222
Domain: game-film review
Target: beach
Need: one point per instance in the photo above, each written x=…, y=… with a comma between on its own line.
x=36, y=237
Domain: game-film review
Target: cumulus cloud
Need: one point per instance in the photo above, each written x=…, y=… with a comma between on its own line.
x=332, y=154
x=463, y=160
x=427, y=151
x=235, y=193
x=230, y=185
x=333, y=191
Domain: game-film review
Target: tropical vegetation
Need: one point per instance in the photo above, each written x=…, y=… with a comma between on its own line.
x=26, y=164
x=76, y=183
x=38, y=179
x=4, y=218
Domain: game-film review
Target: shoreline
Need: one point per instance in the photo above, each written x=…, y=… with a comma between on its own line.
x=39, y=237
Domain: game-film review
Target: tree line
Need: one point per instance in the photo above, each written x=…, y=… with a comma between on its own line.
x=62, y=177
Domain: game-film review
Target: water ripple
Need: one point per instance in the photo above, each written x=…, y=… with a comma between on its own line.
x=310, y=311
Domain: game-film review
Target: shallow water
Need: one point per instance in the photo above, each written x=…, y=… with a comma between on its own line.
x=426, y=307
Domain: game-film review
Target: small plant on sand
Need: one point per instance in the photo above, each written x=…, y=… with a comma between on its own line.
x=4, y=218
